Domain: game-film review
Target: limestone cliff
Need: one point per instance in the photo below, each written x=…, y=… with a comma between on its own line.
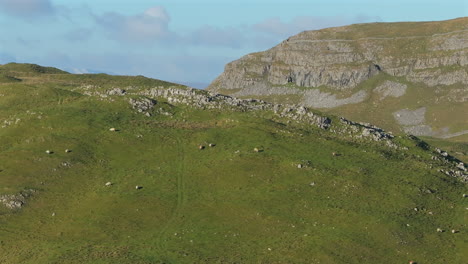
x=374, y=64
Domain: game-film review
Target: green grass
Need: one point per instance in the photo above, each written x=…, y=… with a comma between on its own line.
x=223, y=204
x=392, y=30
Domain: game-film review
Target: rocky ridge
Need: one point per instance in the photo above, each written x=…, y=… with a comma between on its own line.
x=146, y=101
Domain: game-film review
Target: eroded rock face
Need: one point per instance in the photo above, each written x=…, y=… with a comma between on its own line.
x=342, y=58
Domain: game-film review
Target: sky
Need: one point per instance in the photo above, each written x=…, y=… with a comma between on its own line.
x=185, y=41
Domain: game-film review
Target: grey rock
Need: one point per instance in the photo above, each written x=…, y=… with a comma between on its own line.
x=116, y=91
x=409, y=118
x=143, y=105
x=461, y=166
x=16, y=201
x=392, y=89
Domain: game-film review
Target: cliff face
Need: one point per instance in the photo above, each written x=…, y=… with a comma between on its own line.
x=357, y=64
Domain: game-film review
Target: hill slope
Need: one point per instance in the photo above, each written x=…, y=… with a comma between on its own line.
x=409, y=77
x=281, y=184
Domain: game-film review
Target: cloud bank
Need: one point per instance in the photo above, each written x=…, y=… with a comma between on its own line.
x=150, y=26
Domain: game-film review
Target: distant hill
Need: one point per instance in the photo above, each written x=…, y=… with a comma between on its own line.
x=409, y=76
x=27, y=68
x=97, y=168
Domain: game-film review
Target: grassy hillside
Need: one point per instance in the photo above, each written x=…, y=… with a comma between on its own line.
x=369, y=203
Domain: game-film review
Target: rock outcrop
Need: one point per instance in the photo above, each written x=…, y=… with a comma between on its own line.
x=16, y=201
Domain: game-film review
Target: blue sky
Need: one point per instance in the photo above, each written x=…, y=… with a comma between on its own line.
x=180, y=40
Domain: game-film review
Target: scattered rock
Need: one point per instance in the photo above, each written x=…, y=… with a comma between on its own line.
x=16, y=201
x=461, y=166
x=116, y=91
x=143, y=105
x=429, y=191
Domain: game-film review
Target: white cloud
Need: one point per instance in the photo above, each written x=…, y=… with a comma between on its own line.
x=150, y=26
x=27, y=8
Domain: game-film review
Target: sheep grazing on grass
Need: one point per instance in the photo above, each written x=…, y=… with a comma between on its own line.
x=454, y=231
x=49, y=151
x=68, y=151
x=112, y=129
x=211, y=145
x=200, y=147
x=138, y=187
x=258, y=150
x=335, y=154
x=108, y=183
x=440, y=230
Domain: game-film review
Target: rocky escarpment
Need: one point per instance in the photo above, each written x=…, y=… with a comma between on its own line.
x=342, y=58
x=361, y=64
